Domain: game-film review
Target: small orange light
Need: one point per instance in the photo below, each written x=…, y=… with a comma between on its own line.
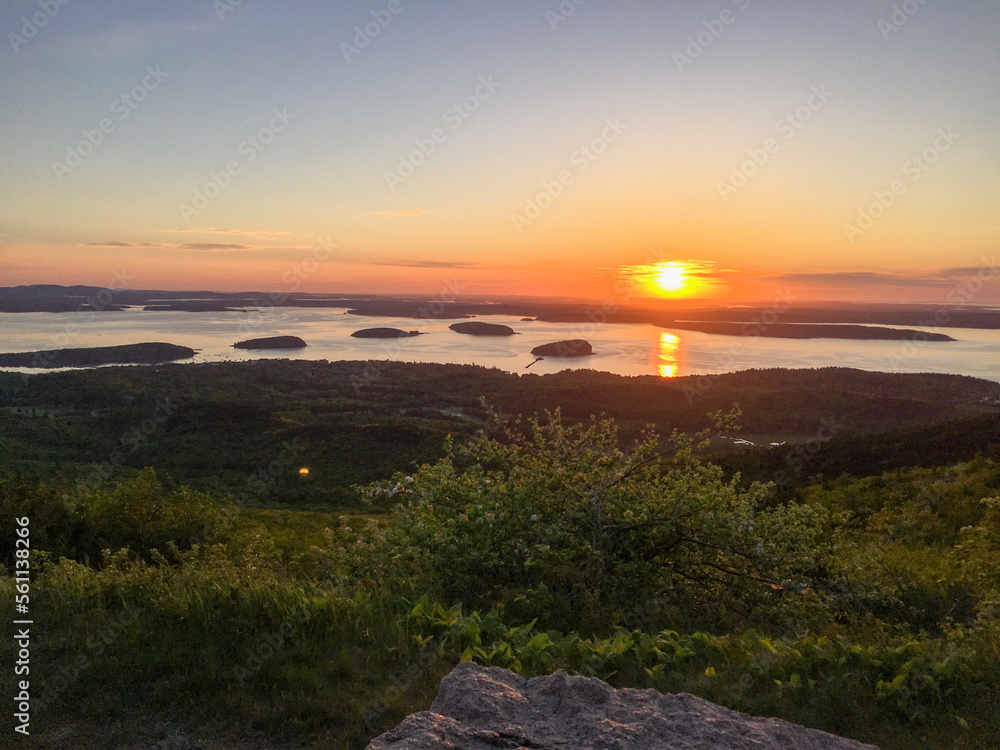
x=304, y=471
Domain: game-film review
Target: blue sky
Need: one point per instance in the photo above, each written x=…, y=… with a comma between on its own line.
x=226, y=68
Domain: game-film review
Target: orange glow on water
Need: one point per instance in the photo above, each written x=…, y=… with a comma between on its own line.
x=669, y=355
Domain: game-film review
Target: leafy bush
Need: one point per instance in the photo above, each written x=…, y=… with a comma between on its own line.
x=560, y=523
x=137, y=513
x=140, y=515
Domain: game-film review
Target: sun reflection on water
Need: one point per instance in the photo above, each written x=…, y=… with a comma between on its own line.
x=669, y=355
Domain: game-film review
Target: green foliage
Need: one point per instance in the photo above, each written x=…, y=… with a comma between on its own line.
x=920, y=546
x=868, y=607
x=924, y=506
x=245, y=428
x=561, y=523
x=137, y=514
x=141, y=516
x=917, y=680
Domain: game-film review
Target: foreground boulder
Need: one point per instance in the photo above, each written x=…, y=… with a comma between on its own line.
x=482, y=329
x=480, y=708
x=569, y=348
x=272, y=342
x=383, y=333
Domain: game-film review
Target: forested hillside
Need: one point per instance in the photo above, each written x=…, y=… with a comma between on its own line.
x=219, y=597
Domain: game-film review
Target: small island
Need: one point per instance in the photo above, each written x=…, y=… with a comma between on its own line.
x=482, y=329
x=383, y=333
x=568, y=348
x=129, y=354
x=272, y=342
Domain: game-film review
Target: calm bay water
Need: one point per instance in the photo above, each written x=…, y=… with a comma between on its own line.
x=620, y=349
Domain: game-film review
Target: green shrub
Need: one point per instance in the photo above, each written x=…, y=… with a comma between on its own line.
x=562, y=524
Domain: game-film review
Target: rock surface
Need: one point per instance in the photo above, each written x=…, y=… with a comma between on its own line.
x=480, y=708
x=569, y=348
x=482, y=329
x=383, y=333
x=272, y=342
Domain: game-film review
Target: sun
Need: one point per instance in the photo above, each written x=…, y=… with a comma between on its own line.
x=674, y=279
x=671, y=277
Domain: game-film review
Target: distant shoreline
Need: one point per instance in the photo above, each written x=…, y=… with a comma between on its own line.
x=852, y=323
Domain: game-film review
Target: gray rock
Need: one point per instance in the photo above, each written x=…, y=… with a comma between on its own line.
x=480, y=708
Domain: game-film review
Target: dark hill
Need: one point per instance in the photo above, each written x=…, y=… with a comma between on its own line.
x=355, y=422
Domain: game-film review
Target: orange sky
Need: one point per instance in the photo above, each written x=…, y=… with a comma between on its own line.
x=487, y=149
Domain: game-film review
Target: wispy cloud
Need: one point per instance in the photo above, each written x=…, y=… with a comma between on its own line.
x=217, y=230
x=401, y=212
x=118, y=243
x=431, y=264
x=215, y=246
x=857, y=278
x=205, y=247
x=942, y=278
